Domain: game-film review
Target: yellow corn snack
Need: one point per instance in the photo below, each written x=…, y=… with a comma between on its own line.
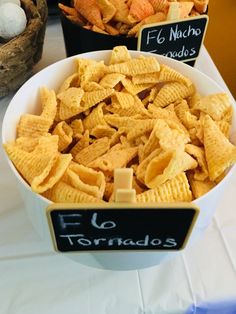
x=49, y=103
x=77, y=127
x=111, y=80
x=220, y=153
x=174, y=190
x=135, y=89
x=36, y=125
x=149, y=78
x=170, y=139
x=64, y=132
x=201, y=172
x=120, y=122
x=71, y=81
x=42, y=167
x=168, y=74
x=27, y=144
x=185, y=116
x=166, y=166
x=114, y=159
x=90, y=99
x=151, y=144
x=51, y=175
x=128, y=112
x=95, y=118
x=86, y=179
x=64, y=193
x=171, y=93
x=140, y=128
x=102, y=131
x=224, y=126
x=70, y=104
x=135, y=66
x=93, y=151
x=200, y=188
x=93, y=72
x=119, y=54
x=216, y=105
x=81, y=144
x=144, y=162
x=33, y=126
x=91, y=86
x=123, y=100
x=136, y=109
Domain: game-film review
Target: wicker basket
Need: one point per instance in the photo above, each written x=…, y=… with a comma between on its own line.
x=19, y=55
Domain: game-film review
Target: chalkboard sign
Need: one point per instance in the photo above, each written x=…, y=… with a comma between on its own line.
x=180, y=40
x=127, y=227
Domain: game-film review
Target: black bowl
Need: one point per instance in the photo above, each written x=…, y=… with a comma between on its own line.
x=79, y=40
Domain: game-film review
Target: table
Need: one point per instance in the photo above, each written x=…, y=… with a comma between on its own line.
x=33, y=280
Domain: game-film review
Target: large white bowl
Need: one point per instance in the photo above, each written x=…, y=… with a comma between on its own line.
x=26, y=101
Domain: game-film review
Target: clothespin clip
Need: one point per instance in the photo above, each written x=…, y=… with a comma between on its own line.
x=123, y=191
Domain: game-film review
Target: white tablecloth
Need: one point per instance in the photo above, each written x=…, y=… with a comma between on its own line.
x=201, y=279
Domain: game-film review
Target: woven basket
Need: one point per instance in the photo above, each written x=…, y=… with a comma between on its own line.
x=20, y=54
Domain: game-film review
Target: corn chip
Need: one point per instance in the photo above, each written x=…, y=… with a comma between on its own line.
x=111, y=80
x=95, y=118
x=64, y=193
x=90, y=10
x=172, y=92
x=174, y=190
x=200, y=188
x=70, y=104
x=64, y=132
x=114, y=159
x=90, y=99
x=201, y=172
x=107, y=9
x=93, y=151
x=82, y=143
x=102, y=131
x=216, y=105
x=135, y=89
x=166, y=166
x=135, y=66
x=139, y=10
x=218, y=160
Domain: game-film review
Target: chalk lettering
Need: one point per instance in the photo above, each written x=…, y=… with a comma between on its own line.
x=192, y=52
x=183, y=53
x=159, y=39
x=70, y=237
x=71, y=220
x=114, y=240
x=84, y=242
x=104, y=225
x=81, y=240
x=143, y=242
x=97, y=241
x=156, y=242
x=128, y=242
x=170, y=243
x=176, y=33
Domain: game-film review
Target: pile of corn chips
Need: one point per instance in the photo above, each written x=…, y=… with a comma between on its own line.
x=133, y=112
x=125, y=17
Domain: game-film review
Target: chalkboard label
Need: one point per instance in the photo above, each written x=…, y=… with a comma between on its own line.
x=127, y=227
x=180, y=40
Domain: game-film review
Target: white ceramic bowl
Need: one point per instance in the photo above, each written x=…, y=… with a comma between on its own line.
x=26, y=101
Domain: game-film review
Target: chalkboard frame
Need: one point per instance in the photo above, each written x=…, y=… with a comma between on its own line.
x=174, y=22
x=121, y=207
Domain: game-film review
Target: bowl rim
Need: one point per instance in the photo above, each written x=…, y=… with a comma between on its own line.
x=68, y=60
